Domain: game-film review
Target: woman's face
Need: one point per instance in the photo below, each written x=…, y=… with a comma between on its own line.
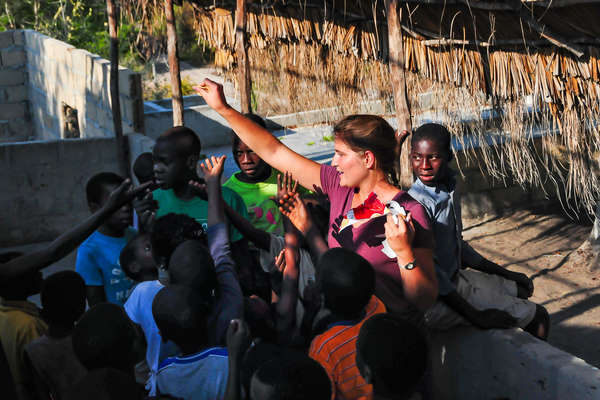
x=351, y=165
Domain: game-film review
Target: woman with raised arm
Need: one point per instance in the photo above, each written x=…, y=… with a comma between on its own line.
x=358, y=184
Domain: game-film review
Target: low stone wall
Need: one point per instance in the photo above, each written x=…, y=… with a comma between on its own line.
x=15, y=121
x=44, y=186
x=471, y=364
x=211, y=128
x=60, y=75
x=483, y=194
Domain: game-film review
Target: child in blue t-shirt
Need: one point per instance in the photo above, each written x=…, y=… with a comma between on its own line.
x=98, y=256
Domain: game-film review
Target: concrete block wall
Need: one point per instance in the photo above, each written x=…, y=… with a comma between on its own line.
x=483, y=194
x=15, y=121
x=44, y=186
x=471, y=364
x=58, y=74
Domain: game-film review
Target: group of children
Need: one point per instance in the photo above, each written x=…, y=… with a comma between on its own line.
x=229, y=291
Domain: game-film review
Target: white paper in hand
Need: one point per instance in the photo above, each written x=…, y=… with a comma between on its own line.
x=396, y=210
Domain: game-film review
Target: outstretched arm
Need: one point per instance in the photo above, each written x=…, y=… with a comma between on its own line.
x=238, y=341
x=68, y=241
x=268, y=147
x=286, y=306
x=229, y=300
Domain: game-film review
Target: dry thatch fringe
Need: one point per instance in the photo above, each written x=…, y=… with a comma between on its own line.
x=335, y=65
x=295, y=77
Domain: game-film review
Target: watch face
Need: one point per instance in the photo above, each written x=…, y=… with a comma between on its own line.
x=410, y=265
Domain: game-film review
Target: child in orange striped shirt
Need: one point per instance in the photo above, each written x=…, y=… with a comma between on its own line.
x=347, y=282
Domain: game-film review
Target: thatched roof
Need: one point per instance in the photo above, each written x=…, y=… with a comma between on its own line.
x=478, y=53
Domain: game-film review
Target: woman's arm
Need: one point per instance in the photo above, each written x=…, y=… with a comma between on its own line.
x=267, y=146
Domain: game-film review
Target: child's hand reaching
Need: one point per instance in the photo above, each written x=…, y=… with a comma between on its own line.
x=295, y=210
x=125, y=193
x=280, y=261
x=212, y=168
x=238, y=339
x=286, y=187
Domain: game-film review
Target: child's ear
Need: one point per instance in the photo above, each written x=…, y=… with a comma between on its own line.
x=162, y=338
x=94, y=207
x=192, y=162
x=366, y=374
x=135, y=267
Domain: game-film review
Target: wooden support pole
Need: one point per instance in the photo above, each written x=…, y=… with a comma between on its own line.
x=242, y=57
x=122, y=145
x=176, y=96
x=398, y=80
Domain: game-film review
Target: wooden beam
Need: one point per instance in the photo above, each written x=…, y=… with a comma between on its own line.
x=243, y=64
x=504, y=42
x=176, y=95
x=525, y=14
x=398, y=80
x=115, y=102
x=500, y=6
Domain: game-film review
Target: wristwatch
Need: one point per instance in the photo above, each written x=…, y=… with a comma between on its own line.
x=410, y=265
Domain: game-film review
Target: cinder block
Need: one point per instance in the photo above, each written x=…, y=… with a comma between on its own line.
x=79, y=58
x=6, y=39
x=30, y=37
x=35, y=43
x=13, y=57
x=474, y=181
x=91, y=111
x=477, y=204
x=14, y=94
x=19, y=37
x=20, y=127
x=125, y=82
x=57, y=50
x=13, y=110
x=9, y=77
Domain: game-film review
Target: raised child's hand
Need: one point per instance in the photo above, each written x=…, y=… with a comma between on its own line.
x=212, y=168
x=280, y=261
x=286, y=187
x=295, y=210
x=238, y=339
x=125, y=193
x=213, y=95
x=400, y=236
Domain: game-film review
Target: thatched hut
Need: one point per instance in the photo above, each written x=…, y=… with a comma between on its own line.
x=535, y=65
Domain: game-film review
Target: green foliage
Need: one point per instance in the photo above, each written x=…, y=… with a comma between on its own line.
x=328, y=138
x=82, y=23
x=163, y=91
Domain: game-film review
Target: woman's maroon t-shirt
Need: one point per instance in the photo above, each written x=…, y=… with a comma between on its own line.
x=366, y=239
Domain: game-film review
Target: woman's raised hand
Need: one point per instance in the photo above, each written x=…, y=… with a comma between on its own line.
x=212, y=92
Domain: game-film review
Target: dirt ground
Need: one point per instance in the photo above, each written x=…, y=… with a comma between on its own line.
x=544, y=246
